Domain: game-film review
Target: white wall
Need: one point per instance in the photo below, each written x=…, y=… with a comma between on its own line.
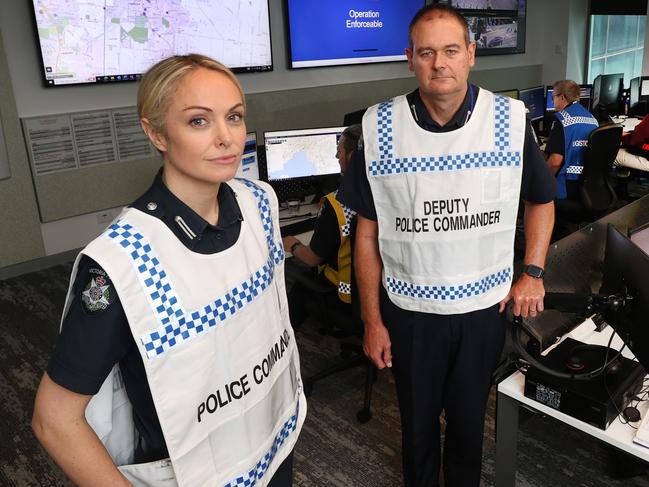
x=546, y=43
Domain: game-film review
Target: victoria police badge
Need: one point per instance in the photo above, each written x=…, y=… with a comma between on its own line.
x=97, y=295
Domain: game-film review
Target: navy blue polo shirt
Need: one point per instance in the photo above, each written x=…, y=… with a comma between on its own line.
x=325, y=241
x=538, y=185
x=95, y=333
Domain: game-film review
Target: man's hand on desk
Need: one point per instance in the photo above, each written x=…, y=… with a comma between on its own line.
x=301, y=252
x=289, y=241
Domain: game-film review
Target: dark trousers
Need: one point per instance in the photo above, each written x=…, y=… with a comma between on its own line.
x=443, y=362
x=284, y=475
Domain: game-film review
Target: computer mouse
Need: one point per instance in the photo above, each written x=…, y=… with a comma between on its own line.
x=614, y=366
x=631, y=414
x=575, y=363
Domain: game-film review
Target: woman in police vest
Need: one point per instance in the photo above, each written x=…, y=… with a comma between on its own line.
x=176, y=363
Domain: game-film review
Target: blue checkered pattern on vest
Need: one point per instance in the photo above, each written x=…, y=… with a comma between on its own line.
x=388, y=164
x=449, y=293
x=175, y=324
x=349, y=214
x=260, y=468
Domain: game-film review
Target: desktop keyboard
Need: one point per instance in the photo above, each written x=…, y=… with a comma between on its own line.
x=298, y=227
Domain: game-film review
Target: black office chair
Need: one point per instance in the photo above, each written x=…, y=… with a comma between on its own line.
x=595, y=189
x=345, y=324
x=596, y=194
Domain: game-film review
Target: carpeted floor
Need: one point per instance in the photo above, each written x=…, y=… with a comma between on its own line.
x=333, y=450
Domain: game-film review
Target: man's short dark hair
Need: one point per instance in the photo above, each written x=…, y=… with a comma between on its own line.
x=438, y=10
x=351, y=135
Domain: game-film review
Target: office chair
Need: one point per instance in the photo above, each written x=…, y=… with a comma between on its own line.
x=596, y=194
x=335, y=318
x=595, y=189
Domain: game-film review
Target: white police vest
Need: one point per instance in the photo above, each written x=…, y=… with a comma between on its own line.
x=218, y=349
x=446, y=203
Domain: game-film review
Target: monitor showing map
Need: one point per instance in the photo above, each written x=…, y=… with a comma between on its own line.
x=95, y=41
x=249, y=167
x=294, y=154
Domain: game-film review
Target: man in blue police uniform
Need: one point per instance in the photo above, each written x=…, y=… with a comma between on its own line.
x=436, y=189
x=568, y=138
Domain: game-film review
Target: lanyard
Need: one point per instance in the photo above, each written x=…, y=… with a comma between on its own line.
x=471, y=105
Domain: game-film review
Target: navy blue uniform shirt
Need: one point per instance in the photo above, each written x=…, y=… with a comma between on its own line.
x=325, y=241
x=95, y=333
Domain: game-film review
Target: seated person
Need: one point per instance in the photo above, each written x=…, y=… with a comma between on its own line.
x=329, y=247
x=635, y=147
x=568, y=138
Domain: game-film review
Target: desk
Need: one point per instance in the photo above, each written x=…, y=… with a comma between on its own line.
x=510, y=397
x=628, y=123
x=295, y=214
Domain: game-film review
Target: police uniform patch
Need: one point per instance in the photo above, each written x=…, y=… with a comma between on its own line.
x=98, y=293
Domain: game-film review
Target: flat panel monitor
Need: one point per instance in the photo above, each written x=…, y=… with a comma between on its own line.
x=586, y=96
x=639, y=95
x=626, y=267
x=549, y=101
x=496, y=26
x=302, y=153
x=355, y=117
x=249, y=167
x=607, y=92
x=634, y=92
x=534, y=101
x=513, y=93
x=348, y=31
x=95, y=41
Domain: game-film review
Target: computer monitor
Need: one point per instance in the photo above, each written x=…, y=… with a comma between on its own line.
x=355, y=117
x=639, y=95
x=626, y=267
x=607, y=93
x=513, y=93
x=534, y=102
x=586, y=96
x=300, y=162
x=249, y=167
x=549, y=101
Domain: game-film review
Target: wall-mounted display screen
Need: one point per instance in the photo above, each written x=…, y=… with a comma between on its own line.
x=348, y=31
x=95, y=41
x=496, y=26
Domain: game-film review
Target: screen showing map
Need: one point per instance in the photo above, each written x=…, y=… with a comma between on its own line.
x=302, y=153
x=99, y=41
x=249, y=166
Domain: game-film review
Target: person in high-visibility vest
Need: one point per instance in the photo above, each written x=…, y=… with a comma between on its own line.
x=329, y=247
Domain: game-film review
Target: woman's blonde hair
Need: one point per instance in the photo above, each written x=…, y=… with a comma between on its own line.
x=161, y=80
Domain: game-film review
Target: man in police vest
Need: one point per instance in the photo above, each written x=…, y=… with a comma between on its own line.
x=329, y=247
x=568, y=138
x=436, y=189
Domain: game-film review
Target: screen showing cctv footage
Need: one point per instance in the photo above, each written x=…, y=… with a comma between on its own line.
x=496, y=26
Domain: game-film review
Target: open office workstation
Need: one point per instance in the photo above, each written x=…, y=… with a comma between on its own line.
x=72, y=154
